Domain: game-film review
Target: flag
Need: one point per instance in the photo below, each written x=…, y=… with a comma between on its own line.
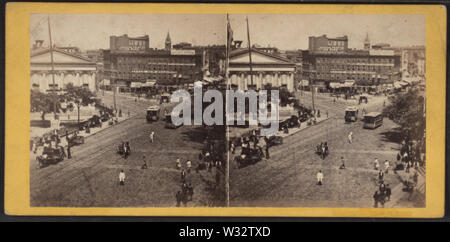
x=229, y=36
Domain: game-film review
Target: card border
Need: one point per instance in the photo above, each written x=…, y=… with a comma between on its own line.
x=17, y=54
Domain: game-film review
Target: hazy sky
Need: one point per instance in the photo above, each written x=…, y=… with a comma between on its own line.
x=92, y=31
x=292, y=31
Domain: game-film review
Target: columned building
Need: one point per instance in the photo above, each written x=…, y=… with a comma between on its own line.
x=268, y=70
x=68, y=68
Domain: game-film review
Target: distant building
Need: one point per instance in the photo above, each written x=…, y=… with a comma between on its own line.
x=412, y=60
x=68, y=68
x=127, y=68
x=367, y=42
x=168, y=42
x=324, y=44
x=125, y=43
x=330, y=60
x=268, y=70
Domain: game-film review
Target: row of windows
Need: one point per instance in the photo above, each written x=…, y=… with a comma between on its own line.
x=354, y=60
x=344, y=76
x=354, y=68
x=144, y=60
x=155, y=67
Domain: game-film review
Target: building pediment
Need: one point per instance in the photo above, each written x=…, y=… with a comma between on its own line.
x=59, y=57
x=258, y=57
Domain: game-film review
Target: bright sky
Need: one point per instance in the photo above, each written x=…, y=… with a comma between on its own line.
x=291, y=32
x=92, y=31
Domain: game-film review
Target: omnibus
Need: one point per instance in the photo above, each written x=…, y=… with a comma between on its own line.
x=373, y=120
x=351, y=114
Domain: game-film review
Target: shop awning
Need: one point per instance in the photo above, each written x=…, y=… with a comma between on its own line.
x=335, y=84
x=348, y=83
x=304, y=83
x=135, y=84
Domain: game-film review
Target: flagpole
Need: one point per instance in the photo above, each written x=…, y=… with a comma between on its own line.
x=52, y=67
x=249, y=53
x=227, y=168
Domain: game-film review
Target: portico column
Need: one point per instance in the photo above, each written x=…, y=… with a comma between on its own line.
x=291, y=82
x=277, y=80
x=261, y=80
x=241, y=82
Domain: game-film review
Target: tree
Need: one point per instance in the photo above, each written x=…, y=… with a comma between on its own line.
x=407, y=110
x=42, y=102
x=79, y=93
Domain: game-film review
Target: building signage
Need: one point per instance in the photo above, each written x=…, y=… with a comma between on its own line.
x=182, y=52
x=332, y=49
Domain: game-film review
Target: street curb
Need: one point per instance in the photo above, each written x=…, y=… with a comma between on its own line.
x=308, y=126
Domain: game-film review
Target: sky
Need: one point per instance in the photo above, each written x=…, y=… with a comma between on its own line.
x=290, y=32
x=92, y=31
x=286, y=32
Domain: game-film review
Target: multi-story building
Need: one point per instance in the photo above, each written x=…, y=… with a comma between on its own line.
x=330, y=60
x=125, y=43
x=125, y=66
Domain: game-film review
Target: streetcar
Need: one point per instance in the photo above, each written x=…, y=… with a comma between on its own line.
x=351, y=114
x=152, y=113
x=373, y=120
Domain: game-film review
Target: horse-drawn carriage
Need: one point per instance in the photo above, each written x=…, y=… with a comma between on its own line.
x=249, y=158
x=76, y=140
x=50, y=156
x=124, y=149
x=95, y=121
x=322, y=150
x=274, y=140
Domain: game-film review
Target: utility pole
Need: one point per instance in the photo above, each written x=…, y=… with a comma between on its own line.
x=249, y=53
x=52, y=68
x=312, y=96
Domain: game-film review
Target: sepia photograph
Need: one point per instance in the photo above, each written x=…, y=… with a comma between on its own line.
x=101, y=129
x=351, y=111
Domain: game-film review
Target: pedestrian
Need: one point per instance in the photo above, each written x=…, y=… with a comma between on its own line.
x=386, y=166
x=350, y=137
x=144, y=165
x=342, y=163
x=183, y=176
x=267, y=151
x=376, y=164
x=375, y=199
x=388, y=192
x=69, y=154
x=128, y=113
x=152, y=136
x=178, y=164
x=122, y=178
x=178, y=197
x=407, y=167
x=380, y=176
x=190, y=191
x=319, y=177
x=327, y=113
x=188, y=166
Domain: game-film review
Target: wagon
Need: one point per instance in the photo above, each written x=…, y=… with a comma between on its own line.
x=50, y=156
x=274, y=140
x=252, y=157
x=76, y=140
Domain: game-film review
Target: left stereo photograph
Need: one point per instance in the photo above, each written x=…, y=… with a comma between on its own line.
x=101, y=102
